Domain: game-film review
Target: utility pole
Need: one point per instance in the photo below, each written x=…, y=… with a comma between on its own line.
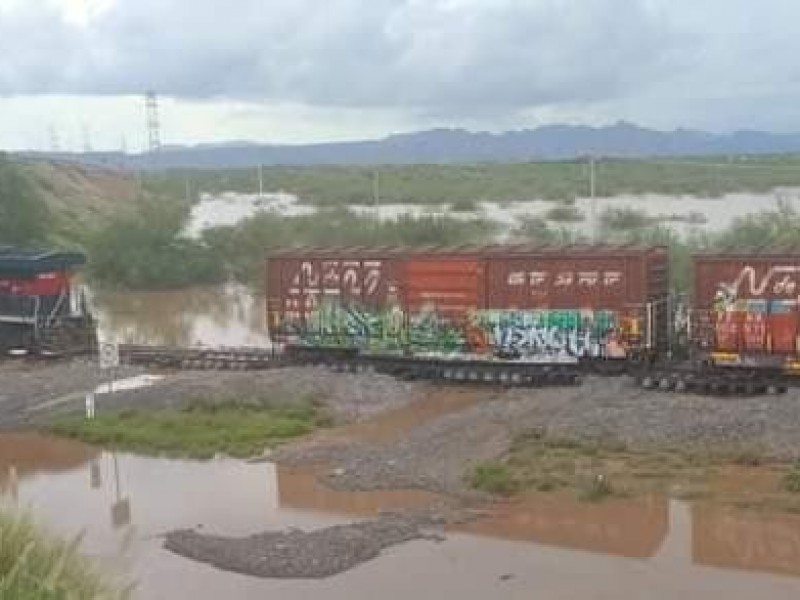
x=376, y=191
x=592, y=198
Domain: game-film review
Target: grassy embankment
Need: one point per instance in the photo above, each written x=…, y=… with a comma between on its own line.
x=201, y=430
x=36, y=567
x=600, y=469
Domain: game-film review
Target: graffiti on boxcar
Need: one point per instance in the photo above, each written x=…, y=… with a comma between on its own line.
x=779, y=280
x=571, y=333
x=527, y=333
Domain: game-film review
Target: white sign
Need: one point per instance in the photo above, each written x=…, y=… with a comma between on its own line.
x=109, y=355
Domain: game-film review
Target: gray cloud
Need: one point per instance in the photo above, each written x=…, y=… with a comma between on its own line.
x=430, y=56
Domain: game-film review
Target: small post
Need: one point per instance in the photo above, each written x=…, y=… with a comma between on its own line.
x=90, y=406
x=260, y=182
x=376, y=193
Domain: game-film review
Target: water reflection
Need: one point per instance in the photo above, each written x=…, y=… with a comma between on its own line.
x=26, y=455
x=116, y=498
x=632, y=528
x=230, y=315
x=759, y=542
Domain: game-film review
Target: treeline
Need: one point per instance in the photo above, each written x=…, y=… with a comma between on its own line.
x=145, y=250
x=495, y=182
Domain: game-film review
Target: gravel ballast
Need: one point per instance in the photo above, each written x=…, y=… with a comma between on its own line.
x=435, y=455
x=32, y=393
x=299, y=554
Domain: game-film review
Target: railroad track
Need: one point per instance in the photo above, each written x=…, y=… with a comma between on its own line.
x=470, y=372
x=237, y=359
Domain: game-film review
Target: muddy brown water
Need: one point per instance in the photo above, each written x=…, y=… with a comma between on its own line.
x=549, y=546
x=227, y=315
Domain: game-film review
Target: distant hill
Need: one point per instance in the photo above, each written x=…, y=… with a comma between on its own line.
x=441, y=146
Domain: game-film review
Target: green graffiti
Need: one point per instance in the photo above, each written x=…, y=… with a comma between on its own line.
x=527, y=332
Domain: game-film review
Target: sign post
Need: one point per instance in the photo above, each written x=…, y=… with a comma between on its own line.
x=108, y=355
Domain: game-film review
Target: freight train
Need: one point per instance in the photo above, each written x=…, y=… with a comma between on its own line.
x=539, y=314
x=42, y=310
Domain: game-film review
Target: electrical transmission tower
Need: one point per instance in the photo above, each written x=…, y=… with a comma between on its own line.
x=153, y=127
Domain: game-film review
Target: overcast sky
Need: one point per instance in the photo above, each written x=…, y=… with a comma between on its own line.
x=312, y=70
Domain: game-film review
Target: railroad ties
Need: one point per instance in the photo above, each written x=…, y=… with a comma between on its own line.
x=167, y=357
x=466, y=372
x=713, y=382
x=441, y=369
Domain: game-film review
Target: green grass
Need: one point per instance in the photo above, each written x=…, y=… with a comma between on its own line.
x=493, y=477
x=36, y=567
x=202, y=430
x=596, y=469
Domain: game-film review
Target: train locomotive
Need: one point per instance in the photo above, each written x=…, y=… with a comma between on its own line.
x=540, y=314
x=42, y=309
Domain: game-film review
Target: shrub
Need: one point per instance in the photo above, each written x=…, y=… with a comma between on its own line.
x=464, y=205
x=791, y=482
x=597, y=489
x=624, y=218
x=564, y=213
x=493, y=477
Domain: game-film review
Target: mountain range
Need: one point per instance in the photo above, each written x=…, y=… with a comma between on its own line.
x=550, y=142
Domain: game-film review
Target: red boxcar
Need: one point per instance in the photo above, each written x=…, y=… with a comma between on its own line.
x=745, y=308
x=602, y=301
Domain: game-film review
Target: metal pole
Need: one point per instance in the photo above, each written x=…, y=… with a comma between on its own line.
x=376, y=190
x=593, y=200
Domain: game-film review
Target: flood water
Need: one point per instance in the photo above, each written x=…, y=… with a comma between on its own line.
x=228, y=315
x=547, y=547
x=710, y=213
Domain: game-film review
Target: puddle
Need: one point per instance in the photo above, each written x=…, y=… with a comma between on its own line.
x=129, y=383
x=548, y=546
